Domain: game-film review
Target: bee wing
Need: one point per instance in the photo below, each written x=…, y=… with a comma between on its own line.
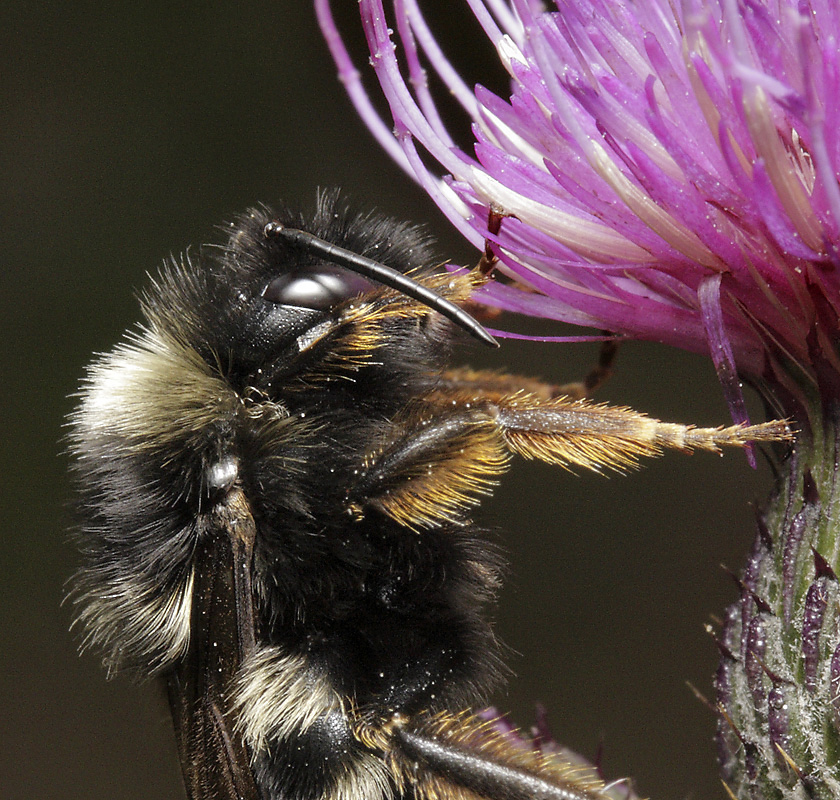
x=214, y=760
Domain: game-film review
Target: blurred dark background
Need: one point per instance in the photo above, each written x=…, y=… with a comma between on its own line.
x=128, y=131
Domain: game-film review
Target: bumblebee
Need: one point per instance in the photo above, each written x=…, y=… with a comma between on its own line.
x=277, y=470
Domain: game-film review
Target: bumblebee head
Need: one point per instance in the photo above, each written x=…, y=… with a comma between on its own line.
x=285, y=295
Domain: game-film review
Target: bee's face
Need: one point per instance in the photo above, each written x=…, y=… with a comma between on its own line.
x=261, y=310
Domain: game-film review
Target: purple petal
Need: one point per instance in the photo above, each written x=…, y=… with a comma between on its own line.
x=721, y=351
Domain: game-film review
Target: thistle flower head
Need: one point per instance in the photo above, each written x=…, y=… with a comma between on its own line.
x=668, y=170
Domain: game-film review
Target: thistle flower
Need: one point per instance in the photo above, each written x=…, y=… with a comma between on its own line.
x=668, y=176
x=669, y=171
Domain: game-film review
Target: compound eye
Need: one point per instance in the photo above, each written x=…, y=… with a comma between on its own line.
x=320, y=291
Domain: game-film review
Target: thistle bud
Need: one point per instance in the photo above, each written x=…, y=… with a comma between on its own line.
x=778, y=683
